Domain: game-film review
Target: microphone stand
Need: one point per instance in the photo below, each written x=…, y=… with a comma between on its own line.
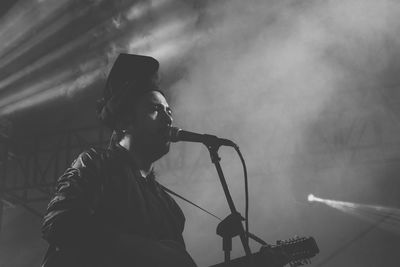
x=232, y=225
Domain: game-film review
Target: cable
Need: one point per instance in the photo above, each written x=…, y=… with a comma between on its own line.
x=188, y=201
x=250, y=235
x=246, y=191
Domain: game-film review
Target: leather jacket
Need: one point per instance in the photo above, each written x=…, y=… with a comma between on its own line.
x=104, y=213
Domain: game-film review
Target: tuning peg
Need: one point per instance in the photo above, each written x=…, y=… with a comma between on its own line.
x=294, y=263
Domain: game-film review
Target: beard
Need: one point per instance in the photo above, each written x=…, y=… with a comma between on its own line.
x=159, y=151
x=155, y=148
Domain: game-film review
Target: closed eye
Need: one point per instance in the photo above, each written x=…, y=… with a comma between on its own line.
x=159, y=107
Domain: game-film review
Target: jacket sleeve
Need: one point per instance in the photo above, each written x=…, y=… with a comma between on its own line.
x=68, y=220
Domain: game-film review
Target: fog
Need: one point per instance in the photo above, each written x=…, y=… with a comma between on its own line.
x=307, y=89
x=300, y=86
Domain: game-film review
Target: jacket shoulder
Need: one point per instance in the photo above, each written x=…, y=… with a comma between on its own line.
x=95, y=159
x=89, y=158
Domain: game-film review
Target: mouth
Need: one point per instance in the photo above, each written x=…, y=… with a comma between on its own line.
x=165, y=133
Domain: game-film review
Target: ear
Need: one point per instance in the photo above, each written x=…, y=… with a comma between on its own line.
x=123, y=123
x=126, y=127
x=119, y=126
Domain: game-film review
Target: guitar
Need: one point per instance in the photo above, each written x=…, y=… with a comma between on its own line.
x=295, y=251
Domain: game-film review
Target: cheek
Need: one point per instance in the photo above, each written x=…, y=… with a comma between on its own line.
x=149, y=122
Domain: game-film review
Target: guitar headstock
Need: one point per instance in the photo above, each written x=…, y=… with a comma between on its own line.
x=297, y=250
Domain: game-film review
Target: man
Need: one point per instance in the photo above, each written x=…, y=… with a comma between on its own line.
x=108, y=208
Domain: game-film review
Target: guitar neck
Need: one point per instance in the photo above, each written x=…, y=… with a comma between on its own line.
x=296, y=251
x=251, y=261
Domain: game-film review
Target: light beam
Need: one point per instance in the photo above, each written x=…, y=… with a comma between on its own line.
x=365, y=211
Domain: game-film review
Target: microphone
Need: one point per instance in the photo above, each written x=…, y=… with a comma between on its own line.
x=177, y=135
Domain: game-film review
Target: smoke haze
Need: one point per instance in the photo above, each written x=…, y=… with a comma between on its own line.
x=307, y=89
x=299, y=85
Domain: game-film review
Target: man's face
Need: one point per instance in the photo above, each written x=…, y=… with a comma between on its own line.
x=150, y=127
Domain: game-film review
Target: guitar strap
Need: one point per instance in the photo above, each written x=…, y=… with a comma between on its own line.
x=252, y=236
x=188, y=201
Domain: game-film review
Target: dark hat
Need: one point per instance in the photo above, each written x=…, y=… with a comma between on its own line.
x=130, y=77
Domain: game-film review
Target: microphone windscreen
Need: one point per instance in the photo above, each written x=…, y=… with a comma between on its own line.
x=174, y=134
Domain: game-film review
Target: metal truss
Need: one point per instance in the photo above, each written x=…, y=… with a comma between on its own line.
x=30, y=165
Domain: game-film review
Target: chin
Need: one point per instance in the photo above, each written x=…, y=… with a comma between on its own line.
x=160, y=151
x=166, y=149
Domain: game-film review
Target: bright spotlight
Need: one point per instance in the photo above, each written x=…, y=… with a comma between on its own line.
x=310, y=198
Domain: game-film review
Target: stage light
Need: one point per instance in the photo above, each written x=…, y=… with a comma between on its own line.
x=140, y=9
x=65, y=89
x=164, y=33
x=370, y=213
x=18, y=24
